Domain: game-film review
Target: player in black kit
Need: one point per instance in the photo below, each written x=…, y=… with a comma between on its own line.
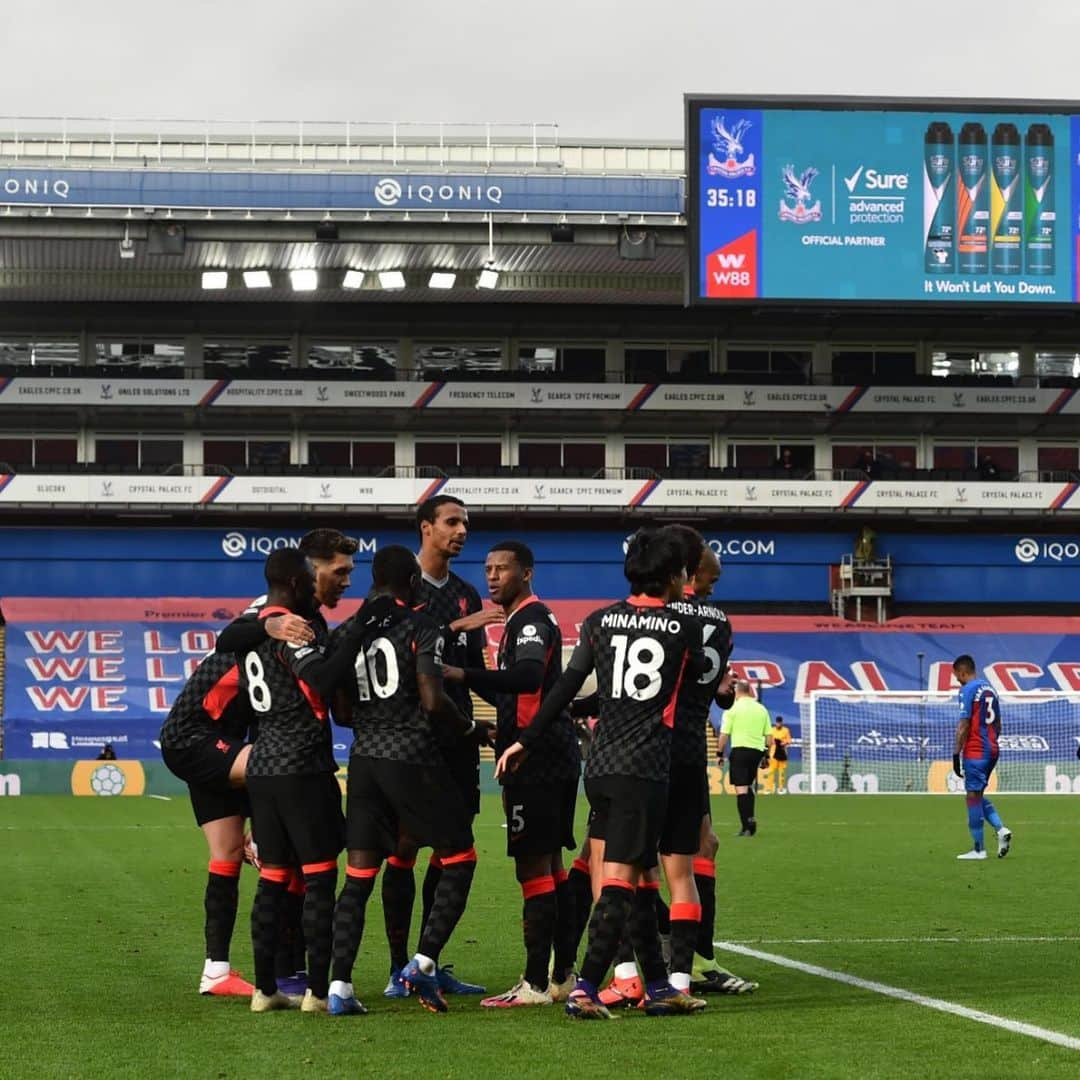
x=642, y=652
x=540, y=796
x=688, y=841
x=295, y=799
x=399, y=781
x=202, y=742
x=443, y=526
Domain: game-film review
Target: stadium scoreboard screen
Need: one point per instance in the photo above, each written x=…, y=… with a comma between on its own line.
x=842, y=199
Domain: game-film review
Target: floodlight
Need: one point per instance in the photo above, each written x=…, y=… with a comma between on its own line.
x=257, y=279
x=215, y=279
x=304, y=280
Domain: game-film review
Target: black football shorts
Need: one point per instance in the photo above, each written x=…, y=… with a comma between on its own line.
x=540, y=817
x=627, y=813
x=688, y=803
x=296, y=819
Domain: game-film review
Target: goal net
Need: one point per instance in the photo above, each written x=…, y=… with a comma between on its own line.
x=896, y=741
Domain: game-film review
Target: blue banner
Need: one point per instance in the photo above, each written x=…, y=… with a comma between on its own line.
x=758, y=566
x=481, y=192
x=867, y=202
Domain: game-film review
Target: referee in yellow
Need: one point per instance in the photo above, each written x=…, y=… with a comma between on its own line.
x=746, y=726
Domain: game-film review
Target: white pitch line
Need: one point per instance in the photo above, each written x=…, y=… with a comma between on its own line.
x=1005, y=938
x=1017, y=1027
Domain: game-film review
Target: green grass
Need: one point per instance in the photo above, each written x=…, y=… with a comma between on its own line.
x=101, y=928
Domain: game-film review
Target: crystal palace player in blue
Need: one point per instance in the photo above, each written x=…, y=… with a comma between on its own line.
x=540, y=796
x=976, y=754
x=641, y=650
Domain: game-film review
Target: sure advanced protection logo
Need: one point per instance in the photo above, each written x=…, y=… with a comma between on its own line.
x=1028, y=550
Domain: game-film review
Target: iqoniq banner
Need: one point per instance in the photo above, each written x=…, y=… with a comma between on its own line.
x=861, y=200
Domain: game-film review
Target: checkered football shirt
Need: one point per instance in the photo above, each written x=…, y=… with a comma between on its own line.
x=640, y=650
x=532, y=634
x=692, y=715
x=294, y=735
x=445, y=603
x=209, y=705
x=387, y=719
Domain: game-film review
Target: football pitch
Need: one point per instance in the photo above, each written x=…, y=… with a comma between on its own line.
x=102, y=943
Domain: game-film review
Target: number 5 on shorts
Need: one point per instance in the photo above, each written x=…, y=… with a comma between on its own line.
x=517, y=822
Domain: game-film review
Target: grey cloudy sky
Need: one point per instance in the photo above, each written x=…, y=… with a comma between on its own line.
x=596, y=67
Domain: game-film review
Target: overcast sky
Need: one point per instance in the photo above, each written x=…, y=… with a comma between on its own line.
x=596, y=67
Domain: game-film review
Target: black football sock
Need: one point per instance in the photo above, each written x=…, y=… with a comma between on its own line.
x=222, y=896
x=606, y=927
x=566, y=937
x=663, y=915
x=448, y=904
x=398, y=896
x=745, y=804
x=538, y=916
x=291, y=955
x=645, y=935
x=580, y=881
x=349, y=916
x=321, y=882
x=429, y=889
x=705, y=879
x=625, y=953
x=265, y=916
x=685, y=921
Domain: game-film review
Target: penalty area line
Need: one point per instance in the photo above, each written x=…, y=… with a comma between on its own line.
x=1017, y=1027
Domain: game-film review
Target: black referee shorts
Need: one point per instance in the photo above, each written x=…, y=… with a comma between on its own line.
x=688, y=803
x=627, y=813
x=744, y=766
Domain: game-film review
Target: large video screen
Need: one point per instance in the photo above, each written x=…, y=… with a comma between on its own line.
x=862, y=201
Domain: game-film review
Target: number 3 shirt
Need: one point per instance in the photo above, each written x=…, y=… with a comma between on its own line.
x=642, y=650
x=979, y=704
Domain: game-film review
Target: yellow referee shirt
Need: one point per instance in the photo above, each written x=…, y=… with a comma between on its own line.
x=747, y=723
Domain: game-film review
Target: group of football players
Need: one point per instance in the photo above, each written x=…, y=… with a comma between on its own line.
x=251, y=736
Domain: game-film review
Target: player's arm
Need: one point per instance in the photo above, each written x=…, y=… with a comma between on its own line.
x=558, y=698
x=583, y=707
x=725, y=689
x=249, y=630
x=475, y=636
x=526, y=675
x=324, y=670
x=429, y=682
x=963, y=729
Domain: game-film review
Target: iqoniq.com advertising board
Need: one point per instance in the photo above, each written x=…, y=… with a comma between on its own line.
x=850, y=200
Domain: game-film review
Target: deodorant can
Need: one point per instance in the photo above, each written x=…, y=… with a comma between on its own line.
x=1039, y=217
x=939, y=164
x=1006, y=201
x=972, y=202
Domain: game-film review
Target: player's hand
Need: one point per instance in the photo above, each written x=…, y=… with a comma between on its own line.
x=290, y=628
x=511, y=759
x=727, y=682
x=453, y=674
x=479, y=619
x=485, y=732
x=956, y=765
x=719, y=757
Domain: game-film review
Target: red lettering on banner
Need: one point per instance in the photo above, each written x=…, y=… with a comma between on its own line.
x=198, y=641
x=1067, y=675
x=942, y=679
x=47, y=641
x=1002, y=675
x=56, y=667
x=159, y=701
x=102, y=670
x=155, y=671
x=155, y=645
x=758, y=671
x=106, y=641
x=818, y=675
x=868, y=675
x=58, y=697
x=107, y=699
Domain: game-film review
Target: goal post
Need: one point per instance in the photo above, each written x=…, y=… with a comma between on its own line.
x=896, y=742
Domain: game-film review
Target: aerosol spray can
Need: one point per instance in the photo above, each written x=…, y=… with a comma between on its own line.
x=1039, y=216
x=939, y=164
x=1006, y=201
x=972, y=202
